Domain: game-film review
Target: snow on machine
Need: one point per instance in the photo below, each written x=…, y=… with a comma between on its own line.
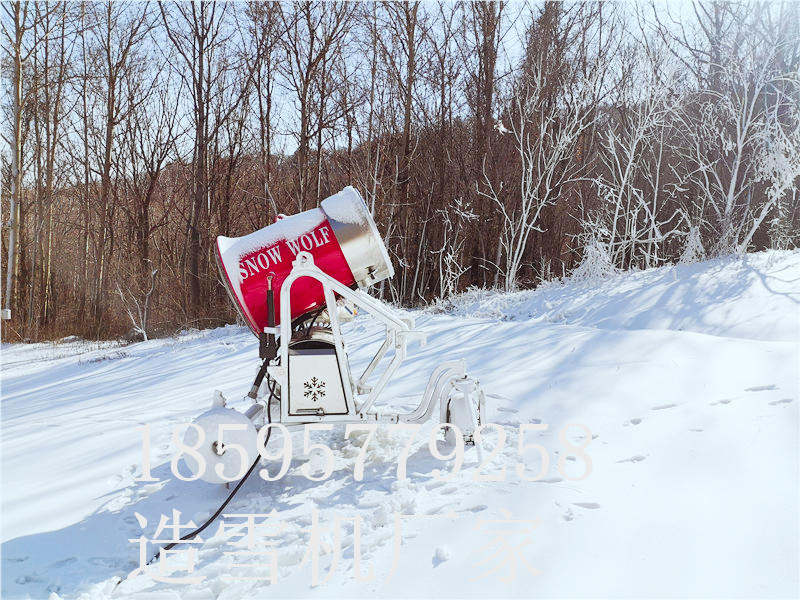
x=294, y=283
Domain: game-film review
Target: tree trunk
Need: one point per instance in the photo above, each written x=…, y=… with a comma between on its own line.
x=15, y=202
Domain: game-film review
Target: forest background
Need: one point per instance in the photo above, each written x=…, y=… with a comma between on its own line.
x=497, y=144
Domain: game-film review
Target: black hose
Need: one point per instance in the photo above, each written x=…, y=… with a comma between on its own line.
x=269, y=354
x=253, y=393
x=200, y=529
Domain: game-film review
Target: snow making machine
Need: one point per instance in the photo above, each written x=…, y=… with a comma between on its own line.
x=294, y=283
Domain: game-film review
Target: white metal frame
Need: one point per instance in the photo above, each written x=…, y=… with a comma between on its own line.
x=399, y=332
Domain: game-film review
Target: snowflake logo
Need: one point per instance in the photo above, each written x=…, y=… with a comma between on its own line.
x=315, y=389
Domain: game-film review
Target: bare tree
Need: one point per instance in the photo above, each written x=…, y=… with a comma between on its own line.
x=117, y=36
x=315, y=31
x=484, y=28
x=148, y=143
x=18, y=22
x=404, y=23
x=199, y=35
x=265, y=30
x=483, y=34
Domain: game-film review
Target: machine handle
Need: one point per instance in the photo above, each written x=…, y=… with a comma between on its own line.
x=267, y=347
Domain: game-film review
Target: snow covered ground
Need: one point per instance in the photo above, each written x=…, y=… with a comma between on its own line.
x=687, y=378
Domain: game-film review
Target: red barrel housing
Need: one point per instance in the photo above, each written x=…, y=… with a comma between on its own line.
x=342, y=238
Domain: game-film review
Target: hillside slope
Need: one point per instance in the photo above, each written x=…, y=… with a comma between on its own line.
x=687, y=378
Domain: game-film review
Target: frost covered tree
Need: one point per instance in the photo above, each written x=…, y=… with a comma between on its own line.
x=736, y=120
x=138, y=305
x=631, y=219
x=545, y=137
x=777, y=165
x=734, y=137
x=455, y=218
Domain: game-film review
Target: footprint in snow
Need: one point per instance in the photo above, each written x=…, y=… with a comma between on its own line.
x=761, y=388
x=723, y=401
x=590, y=505
x=102, y=561
x=781, y=401
x=633, y=459
x=438, y=510
x=63, y=562
x=635, y=421
x=507, y=409
x=696, y=430
x=441, y=554
x=552, y=480
x=663, y=406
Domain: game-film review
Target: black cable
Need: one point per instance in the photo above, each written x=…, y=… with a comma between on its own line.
x=272, y=391
x=304, y=322
x=312, y=318
x=262, y=372
x=200, y=529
